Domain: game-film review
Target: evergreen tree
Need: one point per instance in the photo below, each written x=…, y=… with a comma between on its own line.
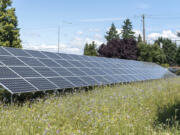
x=139, y=39
x=9, y=33
x=112, y=34
x=178, y=56
x=90, y=49
x=127, y=32
x=151, y=53
x=169, y=49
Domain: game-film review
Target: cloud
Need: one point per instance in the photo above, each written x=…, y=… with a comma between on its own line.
x=80, y=32
x=165, y=34
x=102, y=19
x=52, y=48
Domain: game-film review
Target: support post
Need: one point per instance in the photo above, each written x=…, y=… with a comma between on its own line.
x=12, y=99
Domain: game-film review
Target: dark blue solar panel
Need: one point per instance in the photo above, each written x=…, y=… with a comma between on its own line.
x=47, y=72
x=76, y=72
x=11, y=61
x=31, y=61
x=61, y=82
x=7, y=73
x=49, y=63
x=42, y=83
x=63, y=72
x=98, y=71
x=17, y=85
x=25, y=72
x=3, y=51
x=101, y=80
x=51, y=55
x=36, y=54
x=76, y=63
x=77, y=81
x=64, y=63
x=88, y=71
x=65, y=56
x=17, y=52
x=90, y=81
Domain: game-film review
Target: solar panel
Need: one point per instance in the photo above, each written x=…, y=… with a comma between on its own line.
x=63, y=71
x=17, y=52
x=46, y=72
x=26, y=70
x=11, y=61
x=61, y=82
x=76, y=71
x=49, y=62
x=90, y=81
x=3, y=51
x=31, y=61
x=36, y=54
x=42, y=83
x=5, y=72
x=17, y=85
x=77, y=81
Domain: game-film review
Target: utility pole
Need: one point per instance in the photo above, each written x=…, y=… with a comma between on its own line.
x=58, y=38
x=144, y=32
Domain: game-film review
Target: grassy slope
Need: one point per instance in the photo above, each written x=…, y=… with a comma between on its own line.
x=123, y=109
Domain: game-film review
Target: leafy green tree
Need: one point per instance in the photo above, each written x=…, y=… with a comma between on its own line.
x=169, y=49
x=9, y=31
x=90, y=49
x=127, y=32
x=139, y=38
x=178, y=56
x=112, y=34
x=151, y=53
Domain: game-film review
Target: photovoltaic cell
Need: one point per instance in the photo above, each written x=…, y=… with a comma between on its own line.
x=31, y=61
x=42, y=83
x=17, y=52
x=46, y=72
x=61, y=82
x=101, y=80
x=17, y=85
x=7, y=73
x=49, y=62
x=64, y=63
x=76, y=64
x=3, y=51
x=11, y=61
x=36, y=54
x=77, y=81
x=51, y=55
x=63, y=72
x=76, y=72
x=25, y=72
x=90, y=81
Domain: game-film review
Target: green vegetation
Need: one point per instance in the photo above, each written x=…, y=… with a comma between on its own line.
x=140, y=108
x=90, y=49
x=151, y=53
x=9, y=33
x=112, y=34
x=127, y=32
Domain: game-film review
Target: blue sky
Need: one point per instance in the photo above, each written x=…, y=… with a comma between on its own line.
x=83, y=21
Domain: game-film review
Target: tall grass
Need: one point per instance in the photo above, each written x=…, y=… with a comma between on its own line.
x=137, y=109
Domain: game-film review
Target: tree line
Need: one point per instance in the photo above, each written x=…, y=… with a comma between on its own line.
x=125, y=45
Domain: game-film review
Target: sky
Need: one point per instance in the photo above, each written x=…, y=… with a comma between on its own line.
x=84, y=21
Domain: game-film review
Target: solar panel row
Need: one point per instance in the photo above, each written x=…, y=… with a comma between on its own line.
x=26, y=70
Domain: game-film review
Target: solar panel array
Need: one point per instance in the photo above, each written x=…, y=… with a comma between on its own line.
x=24, y=71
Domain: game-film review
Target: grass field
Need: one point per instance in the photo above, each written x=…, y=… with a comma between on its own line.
x=136, y=109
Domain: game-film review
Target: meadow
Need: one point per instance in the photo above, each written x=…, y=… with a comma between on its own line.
x=144, y=108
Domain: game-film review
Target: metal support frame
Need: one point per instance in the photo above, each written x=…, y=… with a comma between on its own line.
x=12, y=99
